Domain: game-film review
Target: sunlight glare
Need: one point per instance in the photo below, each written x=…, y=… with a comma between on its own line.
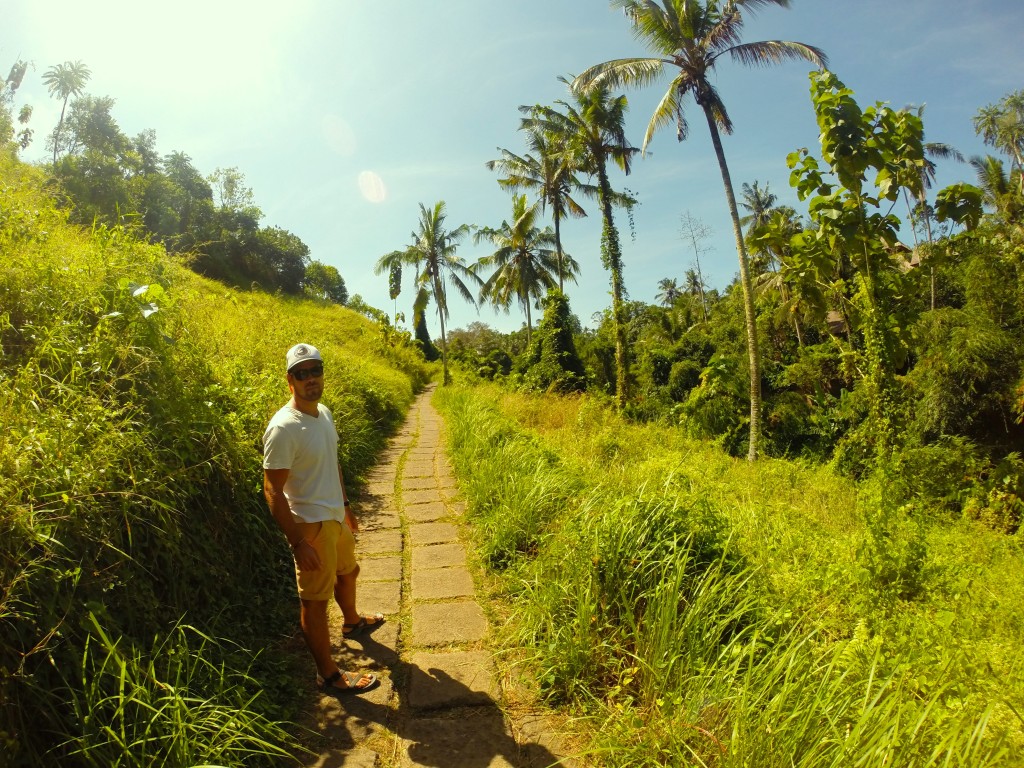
x=372, y=188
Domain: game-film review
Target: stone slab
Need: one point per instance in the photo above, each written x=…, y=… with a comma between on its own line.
x=382, y=521
x=380, y=569
x=539, y=741
x=457, y=507
x=370, y=650
x=476, y=739
x=379, y=542
x=383, y=596
x=436, y=624
x=426, y=513
x=355, y=718
x=446, y=482
x=379, y=489
x=441, y=583
x=459, y=679
x=418, y=468
x=418, y=484
x=438, y=556
x=420, y=497
x=422, y=534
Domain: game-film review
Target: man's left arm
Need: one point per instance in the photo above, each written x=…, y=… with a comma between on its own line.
x=350, y=518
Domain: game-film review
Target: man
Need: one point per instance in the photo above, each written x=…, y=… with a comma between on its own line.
x=305, y=490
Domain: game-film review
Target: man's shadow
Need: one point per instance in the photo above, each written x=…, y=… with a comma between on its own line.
x=452, y=726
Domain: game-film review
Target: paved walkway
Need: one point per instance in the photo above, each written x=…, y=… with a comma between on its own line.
x=439, y=702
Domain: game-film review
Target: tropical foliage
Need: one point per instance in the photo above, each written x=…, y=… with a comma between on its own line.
x=688, y=39
x=143, y=589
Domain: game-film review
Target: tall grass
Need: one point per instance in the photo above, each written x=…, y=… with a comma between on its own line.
x=705, y=612
x=133, y=397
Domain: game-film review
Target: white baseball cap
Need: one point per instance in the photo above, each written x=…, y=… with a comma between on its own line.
x=300, y=353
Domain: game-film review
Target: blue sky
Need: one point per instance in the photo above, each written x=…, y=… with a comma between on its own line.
x=345, y=115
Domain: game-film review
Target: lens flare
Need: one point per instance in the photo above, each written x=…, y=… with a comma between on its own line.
x=372, y=188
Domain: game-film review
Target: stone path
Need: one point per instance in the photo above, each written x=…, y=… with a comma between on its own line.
x=439, y=703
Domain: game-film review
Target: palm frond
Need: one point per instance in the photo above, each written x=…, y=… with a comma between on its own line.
x=669, y=109
x=768, y=52
x=619, y=73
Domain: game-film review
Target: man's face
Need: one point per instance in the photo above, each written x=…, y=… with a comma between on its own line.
x=306, y=380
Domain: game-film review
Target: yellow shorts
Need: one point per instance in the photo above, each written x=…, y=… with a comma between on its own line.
x=334, y=542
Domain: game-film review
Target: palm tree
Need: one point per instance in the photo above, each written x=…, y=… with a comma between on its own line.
x=592, y=134
x=433, y=248
x=1002, y=126
x=997, y=185
x=64, y=81
x=668, y=291
x=689, y=37
x=526, y=264
x=759, y=202
x=545, y=171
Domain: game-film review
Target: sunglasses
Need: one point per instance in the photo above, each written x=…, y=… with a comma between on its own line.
x=305, y=373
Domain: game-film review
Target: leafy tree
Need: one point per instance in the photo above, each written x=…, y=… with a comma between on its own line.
x=551, y=363
x=8, y=88
x=849, y=224
x=228, y=186
x=960, y=203
x=99, y=162
x=690, y=37
x=191, y=200
x=64, y=81
x=433, y=248
x=592, y=133
x=525, y=265
x=325, y=282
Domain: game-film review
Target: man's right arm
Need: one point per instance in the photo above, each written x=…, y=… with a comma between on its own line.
x=273, y=489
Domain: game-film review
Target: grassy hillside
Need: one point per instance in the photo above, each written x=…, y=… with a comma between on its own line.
x=142, y=584
x=701, y=610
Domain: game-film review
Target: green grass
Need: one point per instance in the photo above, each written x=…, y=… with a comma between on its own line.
x=700, y=610
x=133, y=398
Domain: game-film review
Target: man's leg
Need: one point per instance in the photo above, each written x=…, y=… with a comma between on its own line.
x=345, y=595
x=318, y=638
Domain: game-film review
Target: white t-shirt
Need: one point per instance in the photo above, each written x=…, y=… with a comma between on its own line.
x=308, y=447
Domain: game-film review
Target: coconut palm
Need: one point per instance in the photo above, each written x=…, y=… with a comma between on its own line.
x=432, y=253
x=1002, y=126
x=759, y=202
x=64, y=81
x=997, y=186
x=688, y=38
x=545, y=171
x=592, y=133
x=668, y=291
x=525, y=262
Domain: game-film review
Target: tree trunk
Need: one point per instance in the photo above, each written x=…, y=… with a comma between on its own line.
x=558, y=247
x=610, y=253
x=748, y=293
x=441, y=306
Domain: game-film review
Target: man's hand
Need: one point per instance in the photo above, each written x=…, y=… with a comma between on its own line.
x=351, y=521
x=306, y=557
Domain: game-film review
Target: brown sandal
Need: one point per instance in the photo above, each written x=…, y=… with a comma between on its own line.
x=365, y=623
x=327, y=685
